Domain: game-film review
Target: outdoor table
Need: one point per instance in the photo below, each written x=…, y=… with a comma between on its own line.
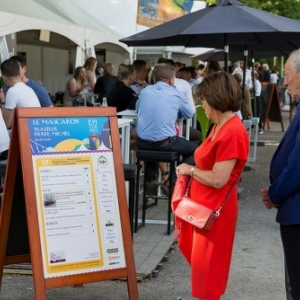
x=128, y=114
x=124, y=125
x=132, y=114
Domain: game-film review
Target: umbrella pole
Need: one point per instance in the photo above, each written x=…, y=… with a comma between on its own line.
x=226, y=52
x=253, y=89
x=244, y=79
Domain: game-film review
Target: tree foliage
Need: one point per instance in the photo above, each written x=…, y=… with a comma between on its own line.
x=287, y=8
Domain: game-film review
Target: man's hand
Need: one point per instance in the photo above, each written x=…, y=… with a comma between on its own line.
x=2, y=96
x=141, y=83
x=265, y=198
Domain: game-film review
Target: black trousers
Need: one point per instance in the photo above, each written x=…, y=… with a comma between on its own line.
x=290, y=235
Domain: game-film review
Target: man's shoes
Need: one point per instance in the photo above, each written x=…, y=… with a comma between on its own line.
x=165, y=189
x=260, y=131
x=152, y=188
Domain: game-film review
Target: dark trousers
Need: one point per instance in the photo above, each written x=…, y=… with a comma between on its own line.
x=3, y=155
x=177, y=144
x=290, y=235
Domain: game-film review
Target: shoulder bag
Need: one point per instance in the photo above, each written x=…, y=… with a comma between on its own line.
x=197, y=214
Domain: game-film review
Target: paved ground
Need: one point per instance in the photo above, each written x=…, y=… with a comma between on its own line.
x=257, y=265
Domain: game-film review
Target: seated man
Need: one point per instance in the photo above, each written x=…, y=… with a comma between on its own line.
x=158, y=108
x=140, y=67
x=37, y=87
x=4, y=137
x=18, y=95
x=122, y=96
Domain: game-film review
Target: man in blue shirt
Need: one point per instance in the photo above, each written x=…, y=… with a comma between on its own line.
x=284, y=189
x=38, y=88
x=158, y=108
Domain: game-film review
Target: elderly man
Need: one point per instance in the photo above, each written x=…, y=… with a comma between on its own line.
x=158, y=108
x=284, y=189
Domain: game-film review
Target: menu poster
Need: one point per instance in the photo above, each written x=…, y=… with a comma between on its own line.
x=78, y=209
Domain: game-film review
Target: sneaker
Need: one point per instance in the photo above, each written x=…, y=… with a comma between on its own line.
x=260, y=131
x=152, y=188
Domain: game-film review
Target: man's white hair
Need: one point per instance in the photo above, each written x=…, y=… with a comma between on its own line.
x=295, y=55
x=266, y=66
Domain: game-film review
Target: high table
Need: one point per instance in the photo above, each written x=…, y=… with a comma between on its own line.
x=132, y=114
x=128, y=114
x=124, y=125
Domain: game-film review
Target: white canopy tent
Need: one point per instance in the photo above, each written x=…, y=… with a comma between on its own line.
x=75, y=30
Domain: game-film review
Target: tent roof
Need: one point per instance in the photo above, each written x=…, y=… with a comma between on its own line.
x=86, y=23
x=69, y=18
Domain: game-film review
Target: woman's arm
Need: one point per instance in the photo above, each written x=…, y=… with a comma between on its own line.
x=217, y=177
x=73, y=90
x=90, y=79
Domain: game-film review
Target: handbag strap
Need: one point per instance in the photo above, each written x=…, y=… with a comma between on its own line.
x=217, y=212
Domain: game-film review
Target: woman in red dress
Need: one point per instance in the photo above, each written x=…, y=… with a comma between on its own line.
x=220, y=159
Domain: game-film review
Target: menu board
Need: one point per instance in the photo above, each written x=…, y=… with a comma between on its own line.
x=76, y=194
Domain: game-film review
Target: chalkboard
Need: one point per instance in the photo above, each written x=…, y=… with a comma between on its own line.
x=64, y=206
x=270, y=104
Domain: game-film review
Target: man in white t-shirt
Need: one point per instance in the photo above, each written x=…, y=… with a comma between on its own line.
x=4, y=137
x=18, y=95
x=240, y=70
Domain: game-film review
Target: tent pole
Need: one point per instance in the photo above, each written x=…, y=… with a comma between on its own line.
x=282, y=66
x=226, y=52
x=253, y=81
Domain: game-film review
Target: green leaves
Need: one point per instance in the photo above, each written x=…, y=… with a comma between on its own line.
x=287, y=8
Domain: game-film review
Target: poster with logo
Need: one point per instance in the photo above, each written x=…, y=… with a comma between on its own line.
x=155, y=12
x=78, y=209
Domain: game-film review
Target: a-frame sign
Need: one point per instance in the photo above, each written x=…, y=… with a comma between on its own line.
x=64, y=206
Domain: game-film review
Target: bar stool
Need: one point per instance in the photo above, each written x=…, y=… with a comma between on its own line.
x=129, y=174
x=154, y=156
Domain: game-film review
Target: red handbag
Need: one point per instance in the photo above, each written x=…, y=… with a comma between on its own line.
x=195, y=213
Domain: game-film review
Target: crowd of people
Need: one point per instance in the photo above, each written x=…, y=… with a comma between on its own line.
x=162, y=95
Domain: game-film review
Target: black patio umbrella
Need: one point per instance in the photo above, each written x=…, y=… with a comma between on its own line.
x=226, y=23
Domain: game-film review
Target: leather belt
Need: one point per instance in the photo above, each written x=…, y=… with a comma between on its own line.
x=154, y=144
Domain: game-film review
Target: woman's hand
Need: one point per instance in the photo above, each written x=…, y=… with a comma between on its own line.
x=183, y=169
x=86, y=85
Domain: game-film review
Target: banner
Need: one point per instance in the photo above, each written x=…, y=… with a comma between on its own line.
x=155, y=12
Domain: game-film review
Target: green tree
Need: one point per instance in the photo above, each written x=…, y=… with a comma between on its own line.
x=287, y=8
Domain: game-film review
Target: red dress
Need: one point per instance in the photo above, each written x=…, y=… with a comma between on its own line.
x=209, y=254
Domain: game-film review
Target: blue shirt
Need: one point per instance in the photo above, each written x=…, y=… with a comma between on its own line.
x=158, y=108
x=284, y=175
x=39, y=90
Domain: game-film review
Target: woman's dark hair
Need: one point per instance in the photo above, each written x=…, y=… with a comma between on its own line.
x=221, y=91
x=77, y=71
